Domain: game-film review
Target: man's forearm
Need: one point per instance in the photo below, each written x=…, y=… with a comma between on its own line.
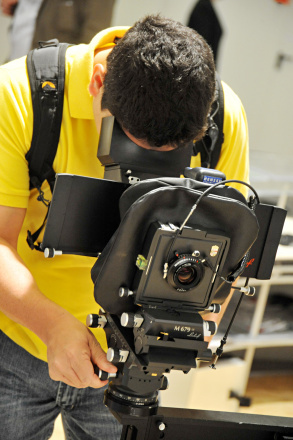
x=20, y=298
x=72, y=350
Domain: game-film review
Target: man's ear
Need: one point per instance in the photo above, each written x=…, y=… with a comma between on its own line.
x=97, y=79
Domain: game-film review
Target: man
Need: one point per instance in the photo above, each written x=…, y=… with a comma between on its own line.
x=157, y=79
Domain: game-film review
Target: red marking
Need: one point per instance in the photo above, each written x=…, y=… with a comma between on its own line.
x=250, y=262
x=283, y=2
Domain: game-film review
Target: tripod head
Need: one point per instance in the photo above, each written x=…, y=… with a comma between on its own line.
x=145, y=348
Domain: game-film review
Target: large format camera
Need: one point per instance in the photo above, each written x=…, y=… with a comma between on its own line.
x=167, y=270
x=173, y=256
x=180, y=245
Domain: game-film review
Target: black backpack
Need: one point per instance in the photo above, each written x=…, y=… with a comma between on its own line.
x=210, y=145
x=46, y=71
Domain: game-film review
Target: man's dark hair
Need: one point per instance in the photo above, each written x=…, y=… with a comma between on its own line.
x=160, y=82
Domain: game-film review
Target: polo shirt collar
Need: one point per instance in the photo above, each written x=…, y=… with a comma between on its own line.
x=80, y=100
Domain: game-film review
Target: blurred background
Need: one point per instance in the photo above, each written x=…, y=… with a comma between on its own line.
x=255, y=57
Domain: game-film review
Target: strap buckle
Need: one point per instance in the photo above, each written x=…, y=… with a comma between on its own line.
x=50, y=43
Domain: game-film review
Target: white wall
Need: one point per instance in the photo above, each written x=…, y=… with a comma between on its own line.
x=4, y=40
x=255, y=33
x=128, y=11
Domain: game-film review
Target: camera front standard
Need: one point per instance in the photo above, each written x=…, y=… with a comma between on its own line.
x=181, y=266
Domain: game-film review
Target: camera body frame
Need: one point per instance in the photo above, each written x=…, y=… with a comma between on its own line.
x=195, y=258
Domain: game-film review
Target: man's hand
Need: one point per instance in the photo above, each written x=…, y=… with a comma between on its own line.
x=72, y=349
x=8, y=6
x=72, y=353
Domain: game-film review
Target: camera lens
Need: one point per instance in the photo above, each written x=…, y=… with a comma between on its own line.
x=185, y=272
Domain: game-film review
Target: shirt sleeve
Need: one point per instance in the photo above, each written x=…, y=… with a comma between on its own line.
x=234, y=158
x=15, y=134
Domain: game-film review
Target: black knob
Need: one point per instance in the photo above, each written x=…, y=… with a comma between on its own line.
x=103, y=375
x=165, y=384
x=127, y=320
x=131, y=320
x=209, y=328
x=115, y=355
x=94, y=321
x=124, y=292
x=214, y=308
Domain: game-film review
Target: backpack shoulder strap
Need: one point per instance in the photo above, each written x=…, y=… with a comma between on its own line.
x=46, y=71
x=218, y=118
x=210, y=146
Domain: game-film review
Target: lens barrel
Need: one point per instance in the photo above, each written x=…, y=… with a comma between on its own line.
x=185, y=272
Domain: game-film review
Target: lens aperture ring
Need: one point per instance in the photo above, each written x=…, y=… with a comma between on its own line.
x=185, y=272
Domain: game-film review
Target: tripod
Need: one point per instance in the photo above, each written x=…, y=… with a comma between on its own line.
x=143, y=419
x=186, y=424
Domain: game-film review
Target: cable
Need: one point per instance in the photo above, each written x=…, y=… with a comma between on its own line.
x=220, y=349
x=193, y=208
x=247, y=290
x=216, y=110
x=208, y=153
x=207, y=191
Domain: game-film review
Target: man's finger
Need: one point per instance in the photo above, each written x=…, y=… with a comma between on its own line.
x=99, y=357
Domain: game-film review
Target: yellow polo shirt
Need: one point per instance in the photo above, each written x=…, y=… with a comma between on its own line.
x=66, y=279
x=234, y=158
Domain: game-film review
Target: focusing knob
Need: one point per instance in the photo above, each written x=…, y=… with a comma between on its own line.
x=124, y=292
x=96, y=321
x=51, y=252
x=103, y=375
x=214, y=308
x=131, y=320
x=209, y=328
x=114, y=355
